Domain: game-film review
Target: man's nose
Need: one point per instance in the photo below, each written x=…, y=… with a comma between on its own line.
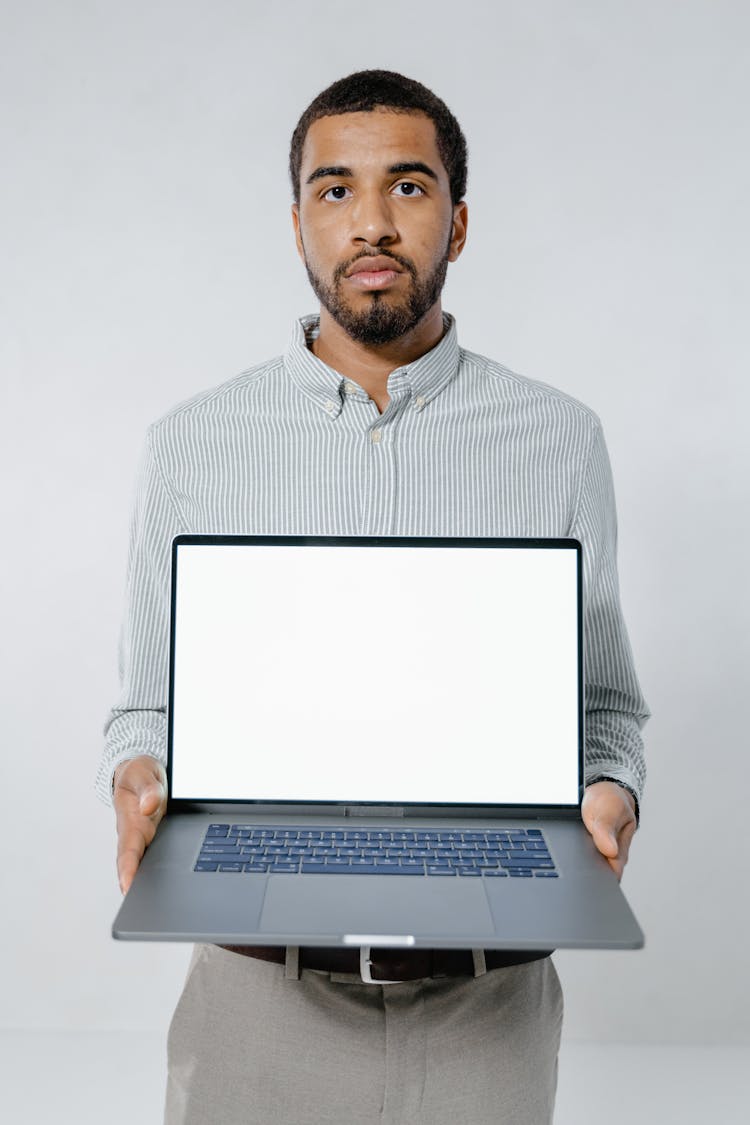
x=372, y=219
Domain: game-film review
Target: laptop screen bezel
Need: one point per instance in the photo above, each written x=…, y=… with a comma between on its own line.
x=393, y=808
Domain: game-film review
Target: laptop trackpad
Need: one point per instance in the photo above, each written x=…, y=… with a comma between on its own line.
x=334, y=905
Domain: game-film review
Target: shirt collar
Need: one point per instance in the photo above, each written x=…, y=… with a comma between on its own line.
x=424, y=379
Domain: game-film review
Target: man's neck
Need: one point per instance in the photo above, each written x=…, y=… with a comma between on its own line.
x=370, y=366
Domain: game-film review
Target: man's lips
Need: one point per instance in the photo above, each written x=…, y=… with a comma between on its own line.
x=369, y=264
x=373, y=273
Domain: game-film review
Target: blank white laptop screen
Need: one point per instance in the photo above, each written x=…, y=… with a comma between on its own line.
x=377, y=674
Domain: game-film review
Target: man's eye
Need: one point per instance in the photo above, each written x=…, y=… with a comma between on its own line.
x=338, y=187
x=410, y=189
x=338, y=192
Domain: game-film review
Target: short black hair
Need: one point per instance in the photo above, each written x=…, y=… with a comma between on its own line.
x=366, y=90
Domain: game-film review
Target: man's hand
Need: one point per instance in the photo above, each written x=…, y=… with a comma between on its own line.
x=140, y=800
x=608, y=812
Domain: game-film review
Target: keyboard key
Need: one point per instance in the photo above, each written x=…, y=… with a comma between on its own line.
x=283, y=868
x=526, y=862
x=494, y=873
x=520, y=872
x=256, y=867
x=205, y=865
x=546, y=875
x=325, y=869
x=440, y=870
x=231, y=866
x=398, y=870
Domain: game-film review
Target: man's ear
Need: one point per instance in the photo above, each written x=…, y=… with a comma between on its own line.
x=297, y=231
x=458, y=232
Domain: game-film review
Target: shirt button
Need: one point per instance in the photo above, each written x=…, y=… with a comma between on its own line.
x=376, y=435
x=350, y=388
x=419, y=401
x=330, y=406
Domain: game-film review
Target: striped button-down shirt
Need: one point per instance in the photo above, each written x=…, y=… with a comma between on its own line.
x=465, y=447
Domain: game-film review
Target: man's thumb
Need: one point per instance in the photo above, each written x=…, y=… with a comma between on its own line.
x=607, y=840
x=150, y=797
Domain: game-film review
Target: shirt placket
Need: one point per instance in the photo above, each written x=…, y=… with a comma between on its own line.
x=381, y=469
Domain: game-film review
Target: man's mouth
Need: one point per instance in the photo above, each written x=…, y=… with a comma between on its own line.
x=373, y=279
x=373, y=272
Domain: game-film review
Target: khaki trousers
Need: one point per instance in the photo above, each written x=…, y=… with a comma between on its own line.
x=255, y=1043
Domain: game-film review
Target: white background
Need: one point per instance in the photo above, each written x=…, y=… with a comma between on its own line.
x=147, y=253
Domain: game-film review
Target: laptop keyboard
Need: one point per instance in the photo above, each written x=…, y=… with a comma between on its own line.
x=497, y=853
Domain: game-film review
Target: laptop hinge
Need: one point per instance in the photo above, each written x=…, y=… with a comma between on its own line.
x=372, y=810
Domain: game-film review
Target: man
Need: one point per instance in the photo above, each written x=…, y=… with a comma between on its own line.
x=374, y=422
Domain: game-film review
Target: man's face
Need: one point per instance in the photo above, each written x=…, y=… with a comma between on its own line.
x=374, y=193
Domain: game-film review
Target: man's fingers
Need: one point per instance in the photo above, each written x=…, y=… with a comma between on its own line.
x=127, y=865
x=129, y=855
x=614, y=844
x=625, y=838
x=140, y=801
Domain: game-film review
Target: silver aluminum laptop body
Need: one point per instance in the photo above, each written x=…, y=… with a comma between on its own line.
x=386, y=683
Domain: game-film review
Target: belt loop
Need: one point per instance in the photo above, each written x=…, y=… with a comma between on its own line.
x=480, y=964
x=291, y=963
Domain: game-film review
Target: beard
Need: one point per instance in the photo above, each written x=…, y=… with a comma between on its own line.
x=384, y=318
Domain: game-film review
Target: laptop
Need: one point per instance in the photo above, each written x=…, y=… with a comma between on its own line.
x=376, y=742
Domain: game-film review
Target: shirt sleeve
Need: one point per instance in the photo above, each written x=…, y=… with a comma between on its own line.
x=138, y=723
x=615, y=708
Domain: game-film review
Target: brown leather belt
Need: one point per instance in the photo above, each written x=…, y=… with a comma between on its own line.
x=392, y=964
